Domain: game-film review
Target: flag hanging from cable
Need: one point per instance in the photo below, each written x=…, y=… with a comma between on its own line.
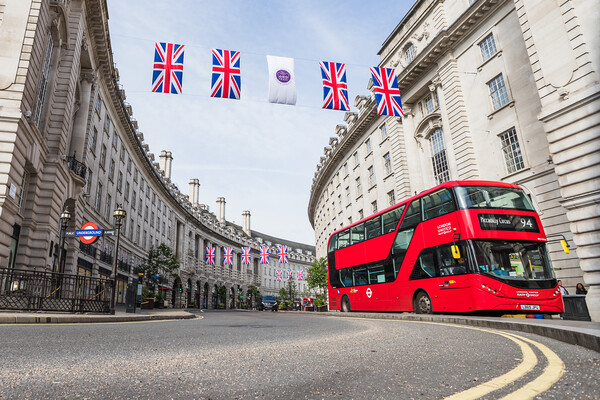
x=282, y=252
x=227, y=255
x=226, y=79
x=289, y=274
x=278, y=273
x=335, y=87
x=210, y=255
x=264, y=254
x=167, y=75
x=387, y=92
x=246, y=258
x=282, y=81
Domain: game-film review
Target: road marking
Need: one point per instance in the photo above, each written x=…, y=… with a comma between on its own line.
x=528, y=363
x=552, y=373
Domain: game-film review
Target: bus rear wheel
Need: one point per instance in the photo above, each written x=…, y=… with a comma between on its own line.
x=422, y=304
x=346, y=304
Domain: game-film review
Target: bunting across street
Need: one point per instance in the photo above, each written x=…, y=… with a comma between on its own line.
x=289, y=274
x=278, y=273
x=226, y=79
x=167, y=75
x=210, y=255
x=227, y=256
x=264, y=254
x=387, y=92
x=282, y=252
x=335, y=88
x=246, y=258
x=300, y=274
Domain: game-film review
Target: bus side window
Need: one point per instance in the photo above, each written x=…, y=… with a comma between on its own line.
x=373, y=227
x=332, y=244
x=360, y=276
x=391, y=218
x=346, y=276
x=400, y=248
x=357, y=233
x=343, y=239
x=412, y=216
x=438, y=203
x=424, y=266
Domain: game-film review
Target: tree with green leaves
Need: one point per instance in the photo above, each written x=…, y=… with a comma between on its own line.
x=160, y=265
x=317, y=275
x=221, y=296
x=253, y=295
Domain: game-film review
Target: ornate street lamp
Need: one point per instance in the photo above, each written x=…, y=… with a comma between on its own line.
x=119, y=215
x=65, y=217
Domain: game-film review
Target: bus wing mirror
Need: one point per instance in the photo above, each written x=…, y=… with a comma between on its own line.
x=455, y=251
x=565, y=246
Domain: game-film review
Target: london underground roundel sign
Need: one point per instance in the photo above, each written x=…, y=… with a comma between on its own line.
x=89, y=226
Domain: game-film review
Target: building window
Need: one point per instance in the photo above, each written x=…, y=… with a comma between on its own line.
x=371, y=176
x=126, y=191
x=340, y=201
x=346, y=169
x=358, y=187
x=348, y=194
x=111, y=170
x=512, y=151
x=108, y=205
x=43, y=82
x=107, y=124
x=88, y=183
x=387, y=164
x=374, y=207
x=129, y=162
x=356, y=162
x=93, y=139
x=438, y=159
x=488, y=47
x=115, y=140
x=383, y=130
x=360, y=214
x=368, y=146
x=409, y=53
x=498, y=92
x=120, y=181
x=391, y=198
x=135, y=175
x=146, y=213
x=133, y=199
x=152, y=218
x=122, y=156
x=98, y=197
x=103, y=157
x=137, y=234
x=98, y=105
x=429, y=104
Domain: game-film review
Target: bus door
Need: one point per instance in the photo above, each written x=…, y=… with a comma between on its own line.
x=454, y=280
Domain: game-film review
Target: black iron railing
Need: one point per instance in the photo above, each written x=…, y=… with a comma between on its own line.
x=49, y=291
x=88, y=249
x=77, y=167
x=106, y=257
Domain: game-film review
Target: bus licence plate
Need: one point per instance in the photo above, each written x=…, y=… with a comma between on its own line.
x=529, y=307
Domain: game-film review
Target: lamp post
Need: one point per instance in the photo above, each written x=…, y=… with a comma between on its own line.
x=119, y=214
x=65, y=217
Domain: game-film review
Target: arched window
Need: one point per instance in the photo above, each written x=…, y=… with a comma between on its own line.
x=409, y=53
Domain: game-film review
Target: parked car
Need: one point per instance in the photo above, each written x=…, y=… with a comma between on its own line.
x=268, y=302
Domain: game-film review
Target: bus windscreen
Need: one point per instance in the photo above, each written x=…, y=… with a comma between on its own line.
x=501, y=198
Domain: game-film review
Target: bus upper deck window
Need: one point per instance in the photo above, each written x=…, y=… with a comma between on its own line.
x=412, y=216
x=438, y=203
x=373, y=227
x=391, y=218
x=343, y=239
x=357, y=233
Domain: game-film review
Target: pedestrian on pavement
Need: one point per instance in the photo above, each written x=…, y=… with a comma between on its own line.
x=562, y=289
x=579, y=289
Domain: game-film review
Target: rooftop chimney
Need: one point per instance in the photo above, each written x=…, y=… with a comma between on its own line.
x=165, y=163
x=246, y=222
x=194, y=191
x=221, y=209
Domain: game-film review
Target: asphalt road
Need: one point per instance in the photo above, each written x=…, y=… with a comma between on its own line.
x=250, y=355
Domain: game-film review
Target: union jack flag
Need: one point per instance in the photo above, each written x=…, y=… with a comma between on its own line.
x=289, y=274
x=227, y=255
x=282, y=252
x=335, y=87
x=246, y=258
x=300, y=274
x=226, y=74
x=210, y=255
x=387, y=92
x=278, y=273
x=264, y=254
x=167, y=76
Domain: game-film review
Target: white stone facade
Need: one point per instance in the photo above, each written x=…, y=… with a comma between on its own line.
x=68, y=141
x=478, y=105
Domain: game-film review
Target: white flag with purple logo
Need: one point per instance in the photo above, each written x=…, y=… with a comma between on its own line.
x=282, y=82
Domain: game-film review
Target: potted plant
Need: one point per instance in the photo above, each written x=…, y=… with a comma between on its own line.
x=159, y=300
x=147, y=299
x=320, y=303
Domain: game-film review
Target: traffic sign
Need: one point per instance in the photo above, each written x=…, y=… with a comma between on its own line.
x=90, y=237
x=109, y=232
x=70, y=233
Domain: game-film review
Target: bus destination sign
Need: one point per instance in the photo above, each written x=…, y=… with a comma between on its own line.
x=506, y=222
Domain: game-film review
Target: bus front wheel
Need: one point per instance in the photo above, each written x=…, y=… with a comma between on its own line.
x=345, y=304
x=422, y=304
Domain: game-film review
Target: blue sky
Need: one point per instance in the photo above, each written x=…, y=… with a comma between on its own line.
x=259, y=156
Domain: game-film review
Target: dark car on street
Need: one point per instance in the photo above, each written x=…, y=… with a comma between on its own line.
x=268, y=302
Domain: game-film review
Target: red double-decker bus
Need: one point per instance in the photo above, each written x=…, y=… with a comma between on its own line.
x=461, y=247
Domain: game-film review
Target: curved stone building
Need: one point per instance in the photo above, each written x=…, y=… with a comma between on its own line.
x=502, y=90
x=68, y=141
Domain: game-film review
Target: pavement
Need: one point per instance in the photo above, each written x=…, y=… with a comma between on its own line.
x=580, y=333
